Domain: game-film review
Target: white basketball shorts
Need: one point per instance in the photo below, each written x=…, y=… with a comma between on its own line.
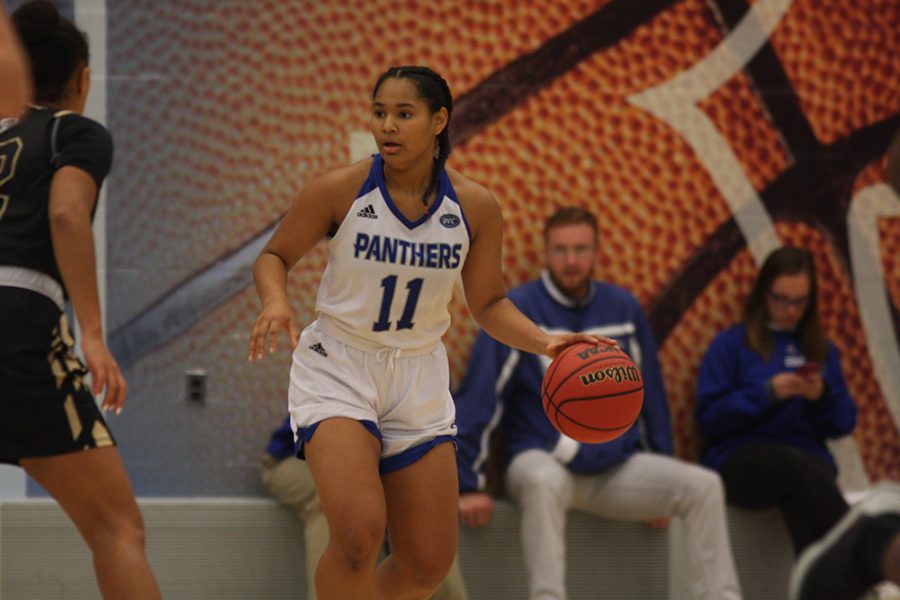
x=401, y=396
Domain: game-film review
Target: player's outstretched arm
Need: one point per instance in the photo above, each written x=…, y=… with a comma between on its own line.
x=319, y=206
x=486, y=292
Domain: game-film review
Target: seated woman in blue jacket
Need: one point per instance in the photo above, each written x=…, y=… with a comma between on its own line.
x=770, y=393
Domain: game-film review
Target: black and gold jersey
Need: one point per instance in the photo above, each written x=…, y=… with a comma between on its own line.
x=31, y=151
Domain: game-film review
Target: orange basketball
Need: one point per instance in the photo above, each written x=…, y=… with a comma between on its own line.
x=592, y=393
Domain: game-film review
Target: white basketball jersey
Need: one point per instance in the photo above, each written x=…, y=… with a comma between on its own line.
x=389, y=280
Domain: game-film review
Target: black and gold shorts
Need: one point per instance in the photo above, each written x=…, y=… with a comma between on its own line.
x=46, y=408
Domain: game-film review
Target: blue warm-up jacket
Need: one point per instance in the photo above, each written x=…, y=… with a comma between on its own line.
x=735, y=406
x=502, y=386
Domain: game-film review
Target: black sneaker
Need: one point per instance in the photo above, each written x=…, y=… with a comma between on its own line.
x=829, y=569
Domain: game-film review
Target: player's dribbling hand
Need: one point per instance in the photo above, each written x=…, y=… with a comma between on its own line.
x=275, y=317
x=560, y=341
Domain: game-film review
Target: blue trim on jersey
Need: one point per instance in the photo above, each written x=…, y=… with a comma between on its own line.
x=450, y=192
x=281, y=443
x=376, y=174
x=304, y=434
x=387, y=465
x=371, y=182
x=408, y=457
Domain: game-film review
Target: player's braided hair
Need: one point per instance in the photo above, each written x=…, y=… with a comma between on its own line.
x=436, y=93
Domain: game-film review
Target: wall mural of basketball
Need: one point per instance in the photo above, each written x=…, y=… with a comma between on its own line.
x=703, y=133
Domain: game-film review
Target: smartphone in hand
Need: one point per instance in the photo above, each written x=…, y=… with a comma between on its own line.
x=809, y=369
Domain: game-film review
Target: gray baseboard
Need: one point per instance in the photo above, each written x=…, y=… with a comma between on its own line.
x=606, y=560
x=200, y=549
x=249, y=549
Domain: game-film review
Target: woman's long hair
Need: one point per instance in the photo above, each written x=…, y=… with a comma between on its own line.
x=785, y=261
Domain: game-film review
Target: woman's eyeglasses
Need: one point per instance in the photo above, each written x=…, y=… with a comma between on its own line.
x=782, y=301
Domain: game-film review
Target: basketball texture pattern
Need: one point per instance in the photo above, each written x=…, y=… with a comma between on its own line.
x=223, y=110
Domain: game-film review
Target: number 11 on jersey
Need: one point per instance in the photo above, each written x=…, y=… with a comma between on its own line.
x=389, y=283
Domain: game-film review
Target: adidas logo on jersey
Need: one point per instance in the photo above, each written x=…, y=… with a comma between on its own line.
x=317, y=347
x=368, y=212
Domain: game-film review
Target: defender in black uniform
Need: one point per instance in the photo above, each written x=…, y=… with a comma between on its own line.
x=52, y=164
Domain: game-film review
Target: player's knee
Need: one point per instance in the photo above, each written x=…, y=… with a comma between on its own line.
x=428, y=569
x=124, y=529
x=133, y=534
x=357, y=542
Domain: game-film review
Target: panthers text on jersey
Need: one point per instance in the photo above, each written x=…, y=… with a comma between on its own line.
x=389, y=280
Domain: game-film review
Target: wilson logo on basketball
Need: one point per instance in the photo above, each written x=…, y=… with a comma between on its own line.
x=592, y=393
x=617, y=374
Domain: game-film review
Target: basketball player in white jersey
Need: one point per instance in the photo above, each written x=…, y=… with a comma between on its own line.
x=369, y=394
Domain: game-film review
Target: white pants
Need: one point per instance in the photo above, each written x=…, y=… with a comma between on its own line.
x=646, y=486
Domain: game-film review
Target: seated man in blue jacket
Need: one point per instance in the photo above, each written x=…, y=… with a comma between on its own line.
x=633, y=477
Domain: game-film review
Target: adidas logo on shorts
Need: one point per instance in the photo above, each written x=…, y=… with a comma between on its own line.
x=317, y=347
x=368, y=212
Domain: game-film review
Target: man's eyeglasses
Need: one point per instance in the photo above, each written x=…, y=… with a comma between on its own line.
x=782, y=301
x=578, y=251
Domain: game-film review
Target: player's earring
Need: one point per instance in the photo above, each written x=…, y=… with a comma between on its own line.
x=437, y=150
